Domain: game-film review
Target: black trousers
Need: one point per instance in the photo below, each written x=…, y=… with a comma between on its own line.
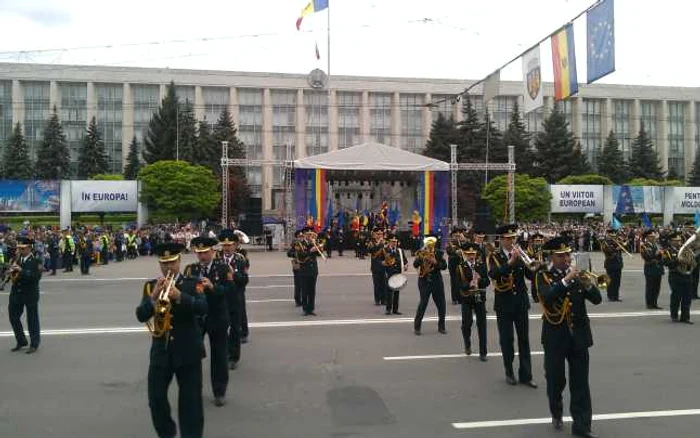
x=234, y=330
x=428, y=288
x=614, y=286
x=244, y=314
x=105, y=256
x=392, y=300
x=85, y=261
x=308, y=292
x=297, y=287
x=652, y=290
x=15, y=309
x=696, y=279
x=219, y=360
x=379, y=282
x=470, y=307
x=68, y=262
x=454, y=285
x=53, y=262
x=506, y=322
x=189, y=404
x=680, y=295
x=555, y=371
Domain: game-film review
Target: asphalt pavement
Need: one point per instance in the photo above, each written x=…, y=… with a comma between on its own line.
x=351, y=371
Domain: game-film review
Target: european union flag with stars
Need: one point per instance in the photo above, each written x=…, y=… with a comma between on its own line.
x=601, y=40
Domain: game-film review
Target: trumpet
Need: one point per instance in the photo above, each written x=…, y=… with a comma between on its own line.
x=600, y=280
x=318, y=249
x=11, y=274
x=160, y=324
x=529, y=261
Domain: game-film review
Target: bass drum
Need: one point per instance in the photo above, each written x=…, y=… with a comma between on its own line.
x=397, y=281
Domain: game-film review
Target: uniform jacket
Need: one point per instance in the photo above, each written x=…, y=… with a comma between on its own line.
x=653, y=263
x=435, y=277
x=468, y=272
x=28, y=278
x=307, y=257
x=376, y=256
x=396, y=268
x=221, y=276
x=513, y=297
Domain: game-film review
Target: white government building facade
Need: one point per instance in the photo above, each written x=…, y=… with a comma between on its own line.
x=273, y=110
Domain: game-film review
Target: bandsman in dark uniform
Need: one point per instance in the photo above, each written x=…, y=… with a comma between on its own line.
x=473, y=280
x=85, y=250
x=430, y=261
x=362, y=241
x=610, y=246
x=511, y=304
x=377, y=250
x=24, y=273
x=228, y=241
x=566, y=335
x=653, y=268
x=176, y=348
x=308, y=253
x=680, y=280
x=392, y=265
x=245, y=333
x=291, y=253
x=453, y=251
x=479, y=238
x=216, y=278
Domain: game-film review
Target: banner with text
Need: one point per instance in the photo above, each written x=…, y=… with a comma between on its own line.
x=577, y=198
x=104, y=196
x=685, y=200
x=24, y=196
x=636, y=199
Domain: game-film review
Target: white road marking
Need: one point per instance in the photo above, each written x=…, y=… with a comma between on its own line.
x=453, y=356
x=280, y=300
x=336, y=322
x=597, y=417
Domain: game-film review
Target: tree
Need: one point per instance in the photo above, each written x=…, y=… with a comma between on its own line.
x=92, y=159
x=532, y=198
x=694, y=177
x=644, y=162
x=516, y=135
x=107, y=177
x=160, y=142
x=492, y=140
x=53, y=156
x=558, y=154
x=206, y=153
x=654, y=182
x=225, y=130
x=17, y=163
x=586, y=180
x=133, y=164
x=442, y=135
x=179, y=190
x=468, y=134
x=187, y=133
x=672, y=173
x=612, y=162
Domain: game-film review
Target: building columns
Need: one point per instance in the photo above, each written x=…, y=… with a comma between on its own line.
x=127, y=121
x=54, y=97
x=332, y=121
x=301, y=126
x=267, y=176
x=365, y=118
x=91, y=102
x=577, y=118
x=427, y=118
x=17, y=104
x=689, y=149
x=199, y=104
x=606, y=122
x=233, y=105
x=662, y=138
x=396, y=121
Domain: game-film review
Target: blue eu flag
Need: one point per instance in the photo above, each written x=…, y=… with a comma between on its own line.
x=601, y=40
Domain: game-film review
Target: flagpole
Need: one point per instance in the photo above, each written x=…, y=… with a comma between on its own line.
x=328, y=34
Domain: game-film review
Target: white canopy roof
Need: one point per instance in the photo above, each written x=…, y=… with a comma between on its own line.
x=371, y=156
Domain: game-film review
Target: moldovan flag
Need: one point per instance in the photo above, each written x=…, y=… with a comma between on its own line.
x=564, y=60
x=313, y=6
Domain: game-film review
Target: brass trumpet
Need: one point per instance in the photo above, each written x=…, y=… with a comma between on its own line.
x=160, y=324
x=529, y=261
x=600, y=280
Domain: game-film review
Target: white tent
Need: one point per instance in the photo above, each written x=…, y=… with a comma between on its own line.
x=372, y=156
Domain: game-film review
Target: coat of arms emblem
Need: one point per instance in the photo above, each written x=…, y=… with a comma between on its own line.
x=534, y=78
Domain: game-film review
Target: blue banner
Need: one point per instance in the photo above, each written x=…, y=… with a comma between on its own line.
x=18, y=196
x=636, y=199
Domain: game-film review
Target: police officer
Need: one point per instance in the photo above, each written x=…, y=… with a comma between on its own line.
x=566, y=335
x=430, y=261
x=53, y=252
x=179, y=351
x=395, y=262
x=25, y=273
x=216, y=278
x=473, y=279
x=68, y=250
x=511, y=304
x=228, y=241
x=680, y=280
x=653, y=268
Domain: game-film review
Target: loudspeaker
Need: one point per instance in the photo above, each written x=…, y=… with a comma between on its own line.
x=483, y=219
x=252, y=225
x=253, y=206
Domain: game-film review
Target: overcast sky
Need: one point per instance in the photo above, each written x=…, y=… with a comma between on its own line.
x=456, y=39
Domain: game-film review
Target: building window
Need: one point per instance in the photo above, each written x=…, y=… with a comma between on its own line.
x=284, y=121
x=185, y=93
x=676, y=137
x=648, y=117
x=110, y=121
x=502, y=109
x=621, y=126
x=349, y=105
x=5, y=113
x=73, y=115
x=380, y=117
x=146, y=100
x=250, y=132
x=444, y=105
x=411, y=107
x=36, y=113
x=592, y=136
x=316, y=111
x=533, y=122
x=216, y=99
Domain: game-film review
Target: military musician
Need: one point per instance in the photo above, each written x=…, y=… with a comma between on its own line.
x=392, y=263
x=473, y=280
x=24, y=273
x=430, y=261
x=228, y=241
x=216, y=279
x=291, y=253
x=566, y=335
x=653, y=268
x=307, y=253
x=507, y=270
x=377, y=250
x=680, y=279
x=612, y=248
x=453, y=251
x=177, y=350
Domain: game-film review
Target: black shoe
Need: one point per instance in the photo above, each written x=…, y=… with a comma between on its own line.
x=232, y=365
x=312, y=313
x=657, y=307
x=558, y=423
x=511, y=380
x=468, y=351
x=531, y=384
x=297, y=305
x=483, y=358
x=588, y=434
x=687, y=321
x=443, y=331
x=674, y=318
x=31, y=350
x=416, y=332
x=244, y=340
x=219, y=401
x=19, y=347
x=397, y=313
x=387, y=313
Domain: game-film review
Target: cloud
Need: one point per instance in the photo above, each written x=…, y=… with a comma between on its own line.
x=40, y=12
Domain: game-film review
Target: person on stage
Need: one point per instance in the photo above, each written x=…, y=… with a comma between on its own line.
x=566, y=335
x=216, y=279
x=24, y=273
x=473, y=279
x=377, y=250
x=177, y=351
x=680, y=280
x=430, y=261
x=653, y=268
x=511, y=304
x=392, y=264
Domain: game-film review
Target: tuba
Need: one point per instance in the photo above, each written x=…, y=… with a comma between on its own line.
x=160, y=324
x=428, y=260
x=688, y=252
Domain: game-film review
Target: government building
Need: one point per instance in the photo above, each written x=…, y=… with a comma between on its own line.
x=274, y=110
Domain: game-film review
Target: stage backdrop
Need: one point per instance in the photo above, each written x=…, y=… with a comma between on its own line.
x=29, y=196
x=636, y=199
x=433, y=203
x=311, y=197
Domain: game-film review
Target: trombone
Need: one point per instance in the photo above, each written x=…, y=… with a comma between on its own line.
x=318, y=249
x=619, y=245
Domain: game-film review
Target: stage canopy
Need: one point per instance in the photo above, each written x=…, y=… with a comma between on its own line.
x=372, y=157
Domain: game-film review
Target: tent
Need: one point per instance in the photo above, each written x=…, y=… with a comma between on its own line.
x=372, y=157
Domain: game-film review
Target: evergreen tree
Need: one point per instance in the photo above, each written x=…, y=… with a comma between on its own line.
x=612, y=162
x=694, y=177
x=469, y=147
x=672, y=173
x=92, y=159
x=16, y=162
x=206, y=151
x=442, y=135
x=53, y=156
x=557, y=153
x=161, y=141
x=516, y=135
x=492, y=140
x=225, y=130
x=186, y=142
x=133, y=164
x=644, y=162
